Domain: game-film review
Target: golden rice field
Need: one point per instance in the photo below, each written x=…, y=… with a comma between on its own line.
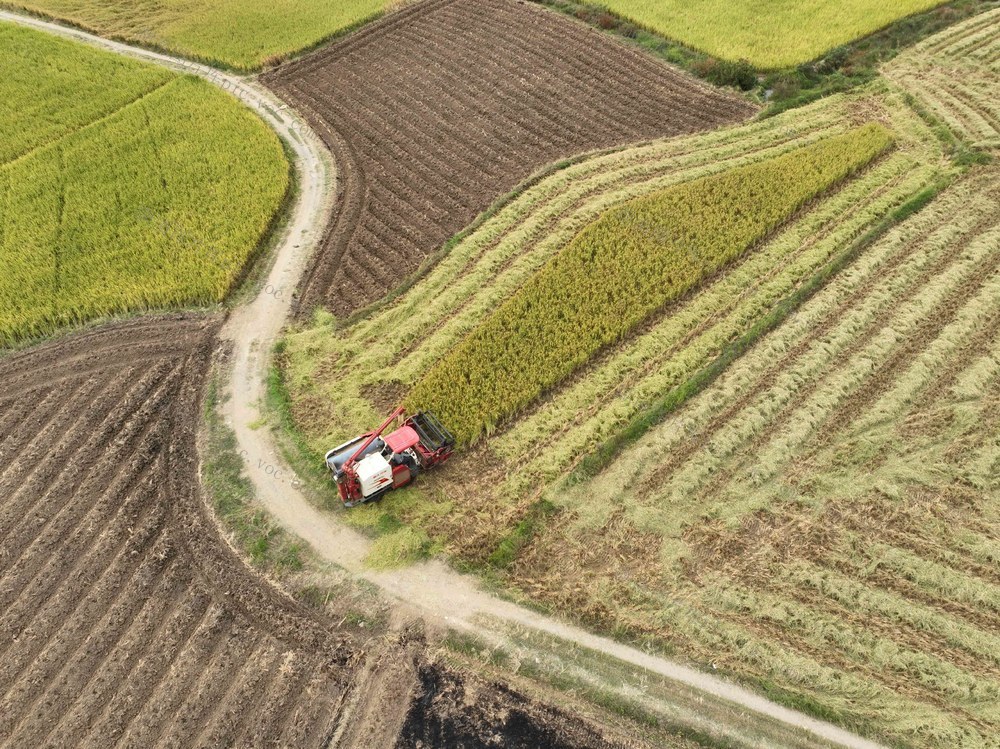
x=123, y=187
x=629, y=264
x=819, y=516
x=340, y=382
x=770, y=34
x=240, y=34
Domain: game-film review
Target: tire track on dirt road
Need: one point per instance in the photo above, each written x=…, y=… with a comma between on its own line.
x=432, y=588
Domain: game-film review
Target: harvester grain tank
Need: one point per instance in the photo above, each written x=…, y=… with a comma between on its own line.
x=371, y=465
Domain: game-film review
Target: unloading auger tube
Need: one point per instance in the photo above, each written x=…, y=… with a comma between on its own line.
x=370, y=465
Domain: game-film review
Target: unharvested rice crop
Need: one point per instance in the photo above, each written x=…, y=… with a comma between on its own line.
x=53, y=88
x=340, y=382
x=769, y=34
x=241, y=34
x=140, y=190
x=629, y=264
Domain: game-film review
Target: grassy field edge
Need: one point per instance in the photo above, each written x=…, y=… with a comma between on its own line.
x=838, y=70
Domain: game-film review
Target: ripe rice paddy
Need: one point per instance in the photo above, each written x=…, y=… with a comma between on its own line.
x=625, y=267
x=123, y=187
x=240, y=34
x=770, y=34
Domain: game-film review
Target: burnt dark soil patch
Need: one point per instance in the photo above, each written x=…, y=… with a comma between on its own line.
x=449, y=711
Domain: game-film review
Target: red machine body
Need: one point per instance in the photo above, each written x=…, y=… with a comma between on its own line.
x=371, y=464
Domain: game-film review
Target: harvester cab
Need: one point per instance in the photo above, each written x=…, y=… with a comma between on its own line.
x=370, y=465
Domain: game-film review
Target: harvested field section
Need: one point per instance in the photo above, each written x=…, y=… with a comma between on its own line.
x=823, y=518
x=337, y=379
x=480, y=94
x=956, y=75
x=123, y=615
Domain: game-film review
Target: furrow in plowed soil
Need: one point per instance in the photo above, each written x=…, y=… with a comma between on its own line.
x=137, y=689
x=90, y=682
x=197, y=656
x=390, y=673
x=282, y=695
x=48, y=594
x=209, y=686
x=47, y=485
x=312, y=723
x=243, y=700
x=124, y=616
x=79, y=639
x=480, y=94
x=67, y=436
x=25, y=417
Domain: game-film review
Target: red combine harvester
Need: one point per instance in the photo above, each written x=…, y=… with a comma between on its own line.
x=368, y=466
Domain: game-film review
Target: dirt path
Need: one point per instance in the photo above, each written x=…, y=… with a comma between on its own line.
x=434, y=589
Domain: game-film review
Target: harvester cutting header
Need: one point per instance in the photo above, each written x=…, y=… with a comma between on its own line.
x=370, y=465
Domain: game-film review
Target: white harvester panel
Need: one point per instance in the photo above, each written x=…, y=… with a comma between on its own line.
x=374, y=473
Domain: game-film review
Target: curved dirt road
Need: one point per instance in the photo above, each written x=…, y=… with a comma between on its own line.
x=434, y=589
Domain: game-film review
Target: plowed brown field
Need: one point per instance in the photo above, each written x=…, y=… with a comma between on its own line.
x=439, y=109
x=123, y=615
x=125, y=618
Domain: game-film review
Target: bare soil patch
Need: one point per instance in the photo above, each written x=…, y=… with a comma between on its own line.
x=454, y=711
x=439, y=109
